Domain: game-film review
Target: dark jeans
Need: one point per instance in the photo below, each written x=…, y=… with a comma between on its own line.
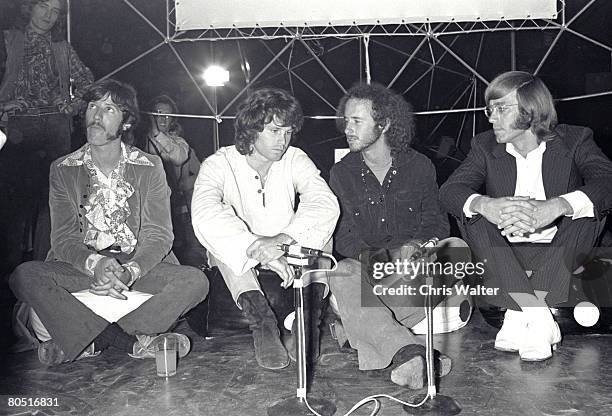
x=34, y=141
x=47, y=287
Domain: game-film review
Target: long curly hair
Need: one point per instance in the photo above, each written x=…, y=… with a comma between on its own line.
x=260, y=108
x=388, y=108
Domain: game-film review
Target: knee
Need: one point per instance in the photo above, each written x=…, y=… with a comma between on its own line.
x=345, y=277
x=584, y=231
x=194, y=280
x=26, y=276
x=453, y=242
x=453, y=250
x=335, y=282
x=482, y=235
x=473, y=230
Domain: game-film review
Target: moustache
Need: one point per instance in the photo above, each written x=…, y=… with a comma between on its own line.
x=110, y=138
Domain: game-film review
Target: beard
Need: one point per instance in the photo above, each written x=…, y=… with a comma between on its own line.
x=357, y=144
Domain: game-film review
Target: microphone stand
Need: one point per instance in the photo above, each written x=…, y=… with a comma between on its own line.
x=298, y=405
x=438, y=404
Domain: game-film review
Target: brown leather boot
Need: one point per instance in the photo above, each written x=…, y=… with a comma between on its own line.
x=269, y=350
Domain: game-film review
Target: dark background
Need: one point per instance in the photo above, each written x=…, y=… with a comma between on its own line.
x=108, y=33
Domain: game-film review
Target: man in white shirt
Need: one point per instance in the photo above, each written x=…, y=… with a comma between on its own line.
x=243, y=208
x=547, y=190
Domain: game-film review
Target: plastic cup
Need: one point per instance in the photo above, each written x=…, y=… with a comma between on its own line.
x=165, y=356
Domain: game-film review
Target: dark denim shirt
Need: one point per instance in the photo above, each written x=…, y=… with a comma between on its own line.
x=408, y=209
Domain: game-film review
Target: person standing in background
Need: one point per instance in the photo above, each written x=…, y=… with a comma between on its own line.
x=39, y=94
x=164, y=139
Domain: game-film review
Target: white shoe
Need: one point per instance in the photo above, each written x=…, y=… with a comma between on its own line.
x=512, y=332
x=543, y=335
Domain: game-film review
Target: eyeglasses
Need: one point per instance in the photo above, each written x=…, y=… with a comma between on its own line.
x=500, y=108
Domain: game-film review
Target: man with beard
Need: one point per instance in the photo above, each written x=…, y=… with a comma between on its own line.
x=243, y=209
x=389, y=198
x=547, y=189
x=111, y=232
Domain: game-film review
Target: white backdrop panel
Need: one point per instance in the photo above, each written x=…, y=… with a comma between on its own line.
x=204, y=14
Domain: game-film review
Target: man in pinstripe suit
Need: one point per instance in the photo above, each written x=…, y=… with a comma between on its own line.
x=530, y=194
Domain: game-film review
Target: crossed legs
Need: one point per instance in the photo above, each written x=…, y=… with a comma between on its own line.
x=47, y=287
x=531, y=278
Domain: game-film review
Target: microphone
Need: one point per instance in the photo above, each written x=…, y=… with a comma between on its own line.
x=426, y=248
x=299, y=251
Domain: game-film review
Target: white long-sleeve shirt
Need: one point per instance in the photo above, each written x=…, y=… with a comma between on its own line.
x=231, y=209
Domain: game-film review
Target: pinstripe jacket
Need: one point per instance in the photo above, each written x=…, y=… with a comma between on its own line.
x=572, y=161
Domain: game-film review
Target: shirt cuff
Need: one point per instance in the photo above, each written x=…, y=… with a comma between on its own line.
x=581, y=205
x=92, y=261
x=134, y=270
x=466, y=207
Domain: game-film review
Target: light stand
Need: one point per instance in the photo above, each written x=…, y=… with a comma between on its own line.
x=298, y=405
x=437, y=404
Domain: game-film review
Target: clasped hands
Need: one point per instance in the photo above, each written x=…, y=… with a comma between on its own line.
x=267, y=252
x=520, y=215
x=110, y=279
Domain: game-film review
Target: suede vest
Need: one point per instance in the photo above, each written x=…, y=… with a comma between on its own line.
x=14, y=42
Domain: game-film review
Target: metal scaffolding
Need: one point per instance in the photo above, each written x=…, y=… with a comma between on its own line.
x=433, y=42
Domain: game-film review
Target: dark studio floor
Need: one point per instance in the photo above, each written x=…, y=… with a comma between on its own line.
x=221, y=377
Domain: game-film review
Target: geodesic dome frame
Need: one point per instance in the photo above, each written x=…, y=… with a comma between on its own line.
x=441, y=67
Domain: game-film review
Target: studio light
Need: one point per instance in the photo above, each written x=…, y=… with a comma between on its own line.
x=215, y=76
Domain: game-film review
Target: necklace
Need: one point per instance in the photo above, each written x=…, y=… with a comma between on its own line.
x=380, y=198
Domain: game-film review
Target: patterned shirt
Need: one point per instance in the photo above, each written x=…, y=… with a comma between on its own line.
x=107, y=208
x=38, y=80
